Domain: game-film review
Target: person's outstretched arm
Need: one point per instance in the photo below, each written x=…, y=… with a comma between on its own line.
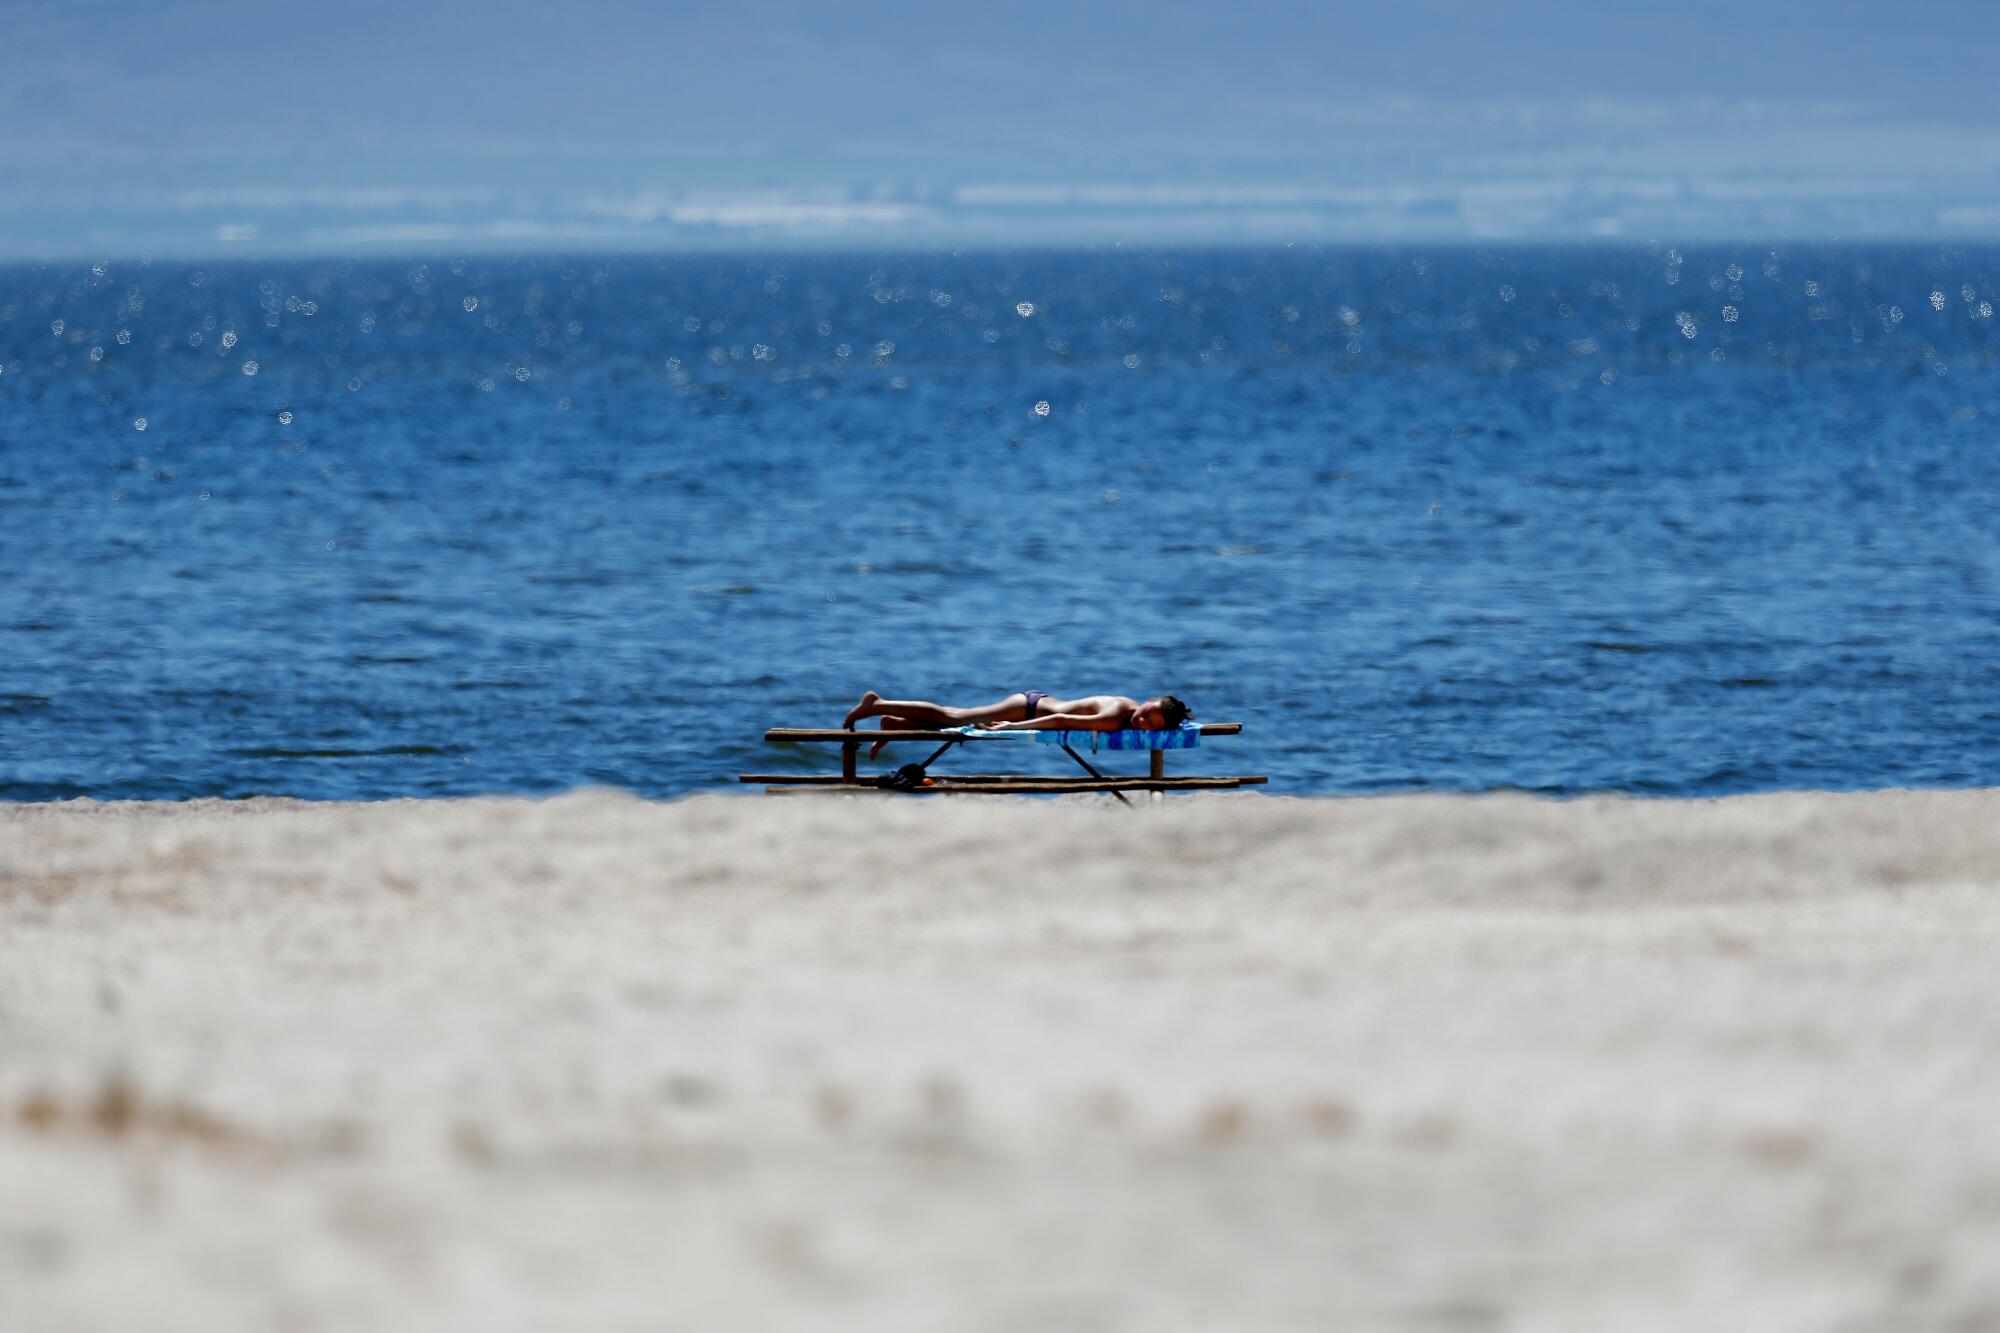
x=1066, y=722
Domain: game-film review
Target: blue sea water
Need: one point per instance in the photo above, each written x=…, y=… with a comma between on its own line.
x=1626, y=518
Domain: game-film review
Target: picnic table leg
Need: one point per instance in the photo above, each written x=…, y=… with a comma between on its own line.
x=1093, y=772
x=848, y=749
x=1159, y=771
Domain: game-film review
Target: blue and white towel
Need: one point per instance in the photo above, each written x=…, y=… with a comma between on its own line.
x=1187, y=736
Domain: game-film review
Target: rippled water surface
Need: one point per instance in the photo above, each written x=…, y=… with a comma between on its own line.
x=1633, y=518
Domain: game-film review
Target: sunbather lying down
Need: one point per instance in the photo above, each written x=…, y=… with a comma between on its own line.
x=1031, y=710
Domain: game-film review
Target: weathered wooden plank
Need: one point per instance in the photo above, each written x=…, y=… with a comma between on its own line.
x=836, y=779
x=1114, y=783
x=788, y=735
x=1021, y=785
x=981, y=779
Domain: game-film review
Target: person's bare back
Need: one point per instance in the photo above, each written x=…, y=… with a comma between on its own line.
x=1029, y=710
x=1092, y=712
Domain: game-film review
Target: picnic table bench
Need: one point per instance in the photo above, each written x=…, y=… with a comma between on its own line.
x=918, y=778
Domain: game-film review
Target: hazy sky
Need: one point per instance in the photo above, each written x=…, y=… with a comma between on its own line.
x=268, y=125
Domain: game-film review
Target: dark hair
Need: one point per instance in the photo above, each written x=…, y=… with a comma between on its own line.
x=1172, y=711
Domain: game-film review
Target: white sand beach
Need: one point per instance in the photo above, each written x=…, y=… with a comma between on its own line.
x=1233, y=1062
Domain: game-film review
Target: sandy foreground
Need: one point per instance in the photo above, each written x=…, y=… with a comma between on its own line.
x=1233, y=1062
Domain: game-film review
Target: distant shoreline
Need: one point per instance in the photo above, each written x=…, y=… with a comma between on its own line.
x=266, y=803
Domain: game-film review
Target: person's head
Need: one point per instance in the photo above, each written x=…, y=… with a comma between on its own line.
x=1161, y=714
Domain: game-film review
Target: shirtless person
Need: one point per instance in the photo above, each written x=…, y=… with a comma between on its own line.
x=1030, y=711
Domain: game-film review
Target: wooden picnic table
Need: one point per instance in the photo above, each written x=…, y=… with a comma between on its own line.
x=849, y=779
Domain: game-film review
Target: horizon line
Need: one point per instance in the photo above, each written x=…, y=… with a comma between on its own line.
x=497, y=248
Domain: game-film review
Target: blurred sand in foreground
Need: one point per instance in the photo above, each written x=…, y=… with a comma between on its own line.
x=923, y=1064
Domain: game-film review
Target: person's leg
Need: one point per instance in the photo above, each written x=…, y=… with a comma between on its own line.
x=891, y=722
x=916, y=713
x=1013, y=708
x=921, y=714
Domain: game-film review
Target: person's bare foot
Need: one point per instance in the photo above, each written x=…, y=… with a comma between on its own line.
x=860, y=710
x=875, y=749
